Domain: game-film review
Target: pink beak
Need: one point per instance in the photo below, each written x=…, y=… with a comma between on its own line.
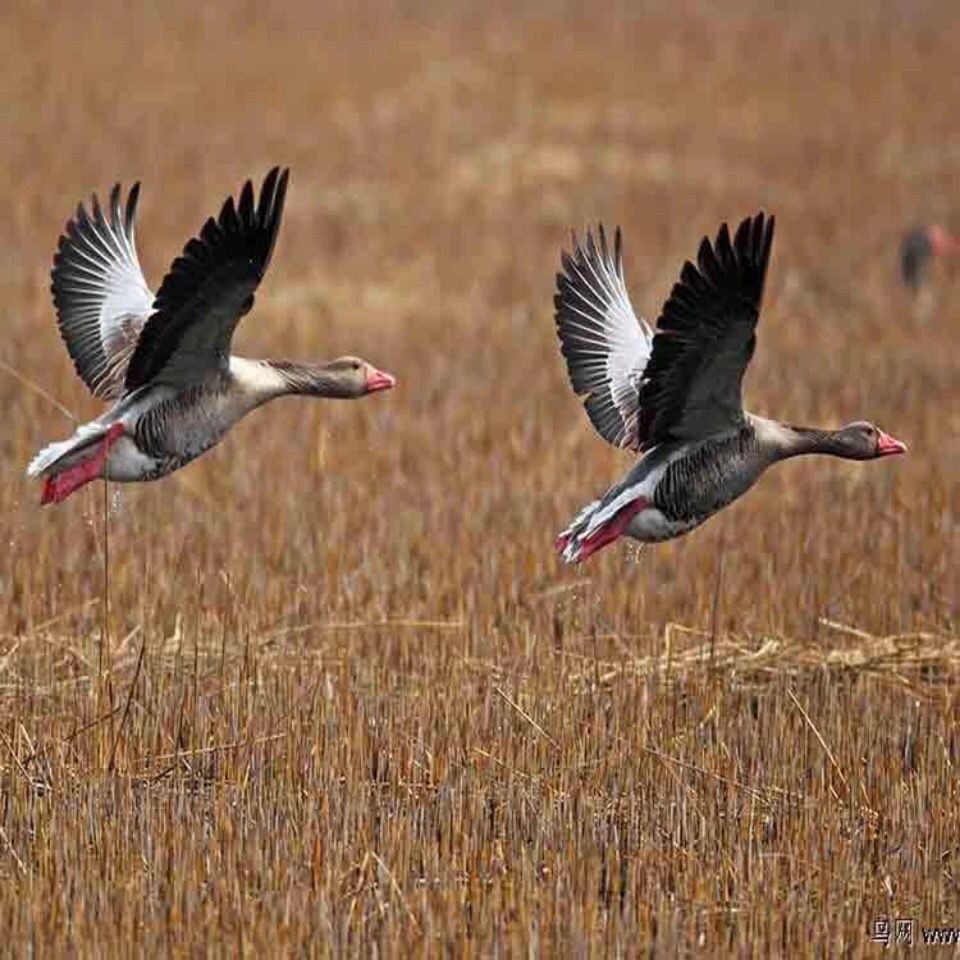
x=887, y=445
x=379, y=380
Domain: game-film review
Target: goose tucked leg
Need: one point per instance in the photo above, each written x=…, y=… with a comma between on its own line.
x=58, y=487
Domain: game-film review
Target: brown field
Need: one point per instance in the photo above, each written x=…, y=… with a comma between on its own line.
x=343, y=698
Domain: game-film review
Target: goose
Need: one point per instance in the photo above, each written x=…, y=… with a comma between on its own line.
x=919, y=247
x=673, y=394
x=163, y=362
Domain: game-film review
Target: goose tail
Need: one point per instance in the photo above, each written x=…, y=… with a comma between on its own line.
x=53, y=453
x=600, y=523
x=569, y=541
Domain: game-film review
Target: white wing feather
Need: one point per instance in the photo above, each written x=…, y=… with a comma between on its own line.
x=100, y=293
x=605, y=344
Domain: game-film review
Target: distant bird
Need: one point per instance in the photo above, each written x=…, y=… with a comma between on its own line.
x=165, y=361
x=920, y=247
x=674, y=393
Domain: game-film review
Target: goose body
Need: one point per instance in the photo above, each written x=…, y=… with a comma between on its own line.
x=920, y=247
x=165, y=361
x=673, y=393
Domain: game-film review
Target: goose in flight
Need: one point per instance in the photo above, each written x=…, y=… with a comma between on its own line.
x=673, y=394
x=163, y=362
x=919, y=248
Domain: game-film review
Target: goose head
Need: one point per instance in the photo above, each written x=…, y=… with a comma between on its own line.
x=350, y=377
x=344, y=378
x=861, y=440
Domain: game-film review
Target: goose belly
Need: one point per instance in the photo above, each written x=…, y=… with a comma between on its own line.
x=127, y=463
x=653, y=526
x=169, y=435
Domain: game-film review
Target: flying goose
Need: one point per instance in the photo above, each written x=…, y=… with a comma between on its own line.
x=673, y=394
x=164, y=361
x=920, y=247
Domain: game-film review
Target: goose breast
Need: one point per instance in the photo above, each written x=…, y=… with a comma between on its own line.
x=706, y=476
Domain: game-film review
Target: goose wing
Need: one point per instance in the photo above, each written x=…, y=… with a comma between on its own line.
x=705, y=338
x=208, y=289
x=605, y=344
x=100, y=294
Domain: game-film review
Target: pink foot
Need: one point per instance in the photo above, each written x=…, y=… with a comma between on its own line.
x=612, y=529
x=58, y=487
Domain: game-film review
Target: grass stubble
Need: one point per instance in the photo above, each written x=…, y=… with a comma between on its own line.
x=343, y=696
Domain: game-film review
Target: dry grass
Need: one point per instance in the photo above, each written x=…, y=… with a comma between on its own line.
x=348, y=699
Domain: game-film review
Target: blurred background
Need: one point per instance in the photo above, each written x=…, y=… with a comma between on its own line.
x=403, y=544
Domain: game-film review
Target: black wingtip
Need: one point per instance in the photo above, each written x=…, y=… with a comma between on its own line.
x=272, y=193
x=274, y=211
x=265, y=213
x=245, y=207
x=707, y=261
x=130, y=215
x=228, y=217
x=281, y=196
x=752, y=240
x=768, y=236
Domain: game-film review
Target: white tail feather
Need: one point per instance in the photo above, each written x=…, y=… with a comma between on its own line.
x=51, y=454
x=573, y=536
